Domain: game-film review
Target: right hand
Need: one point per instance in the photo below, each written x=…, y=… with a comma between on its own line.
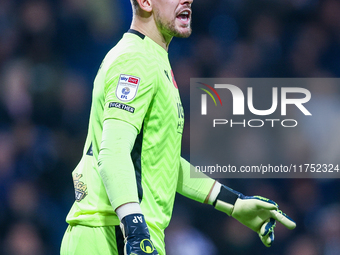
x=137, y=236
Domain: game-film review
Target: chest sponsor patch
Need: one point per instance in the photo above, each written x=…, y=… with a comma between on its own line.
x=127, y=87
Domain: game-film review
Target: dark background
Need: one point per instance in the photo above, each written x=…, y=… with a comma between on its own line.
x=49, y=54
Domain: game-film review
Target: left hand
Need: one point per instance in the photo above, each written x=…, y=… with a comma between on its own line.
x=260, y=214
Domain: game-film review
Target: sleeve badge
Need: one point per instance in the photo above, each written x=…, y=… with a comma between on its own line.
x=127, y=87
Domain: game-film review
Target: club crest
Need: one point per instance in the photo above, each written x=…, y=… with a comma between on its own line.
x=80, y=187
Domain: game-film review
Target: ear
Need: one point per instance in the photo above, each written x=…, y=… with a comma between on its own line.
x=145, y=5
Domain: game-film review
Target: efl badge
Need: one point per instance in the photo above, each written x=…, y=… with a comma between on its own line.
x=127, y=87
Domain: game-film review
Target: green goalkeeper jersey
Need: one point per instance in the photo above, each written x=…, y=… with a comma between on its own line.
x=134, y=84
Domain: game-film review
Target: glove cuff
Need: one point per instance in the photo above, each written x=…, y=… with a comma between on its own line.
x=133, y=225
x=226, y=200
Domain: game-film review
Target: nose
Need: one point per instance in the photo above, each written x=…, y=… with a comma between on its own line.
x=186, y=2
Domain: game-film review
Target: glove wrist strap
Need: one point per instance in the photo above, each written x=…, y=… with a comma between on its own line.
x=134, y=225
x=226, y=200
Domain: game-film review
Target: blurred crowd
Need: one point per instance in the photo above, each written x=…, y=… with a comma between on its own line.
x=50, y=51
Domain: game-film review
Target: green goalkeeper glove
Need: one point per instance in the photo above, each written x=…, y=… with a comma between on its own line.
x=257, y=213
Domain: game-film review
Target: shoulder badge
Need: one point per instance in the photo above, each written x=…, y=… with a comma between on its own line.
x=127, y=87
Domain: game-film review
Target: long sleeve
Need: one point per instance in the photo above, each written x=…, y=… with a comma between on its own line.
x=197, y=189
x=115, y=163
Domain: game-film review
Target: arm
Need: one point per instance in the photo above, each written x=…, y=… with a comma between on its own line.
x=117, y=172
x=257, y=213
x=115, y=163
x=197, y=189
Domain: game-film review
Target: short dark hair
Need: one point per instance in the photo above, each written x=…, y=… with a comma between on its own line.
x=134, y=3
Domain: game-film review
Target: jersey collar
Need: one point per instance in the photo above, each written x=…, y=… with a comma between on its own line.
x=135, y=32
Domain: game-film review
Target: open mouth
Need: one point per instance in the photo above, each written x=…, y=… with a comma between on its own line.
x=184, y=16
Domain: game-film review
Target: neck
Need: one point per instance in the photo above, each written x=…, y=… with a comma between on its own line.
x=147, y=26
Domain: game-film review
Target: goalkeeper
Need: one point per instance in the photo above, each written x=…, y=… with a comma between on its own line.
x=131, y=169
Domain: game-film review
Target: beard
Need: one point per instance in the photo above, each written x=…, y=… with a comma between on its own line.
x=170, y=29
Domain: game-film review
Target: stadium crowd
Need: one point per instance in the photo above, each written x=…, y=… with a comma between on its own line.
x=50, y=52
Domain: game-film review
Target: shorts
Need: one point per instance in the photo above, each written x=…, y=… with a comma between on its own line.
x=80, y=240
